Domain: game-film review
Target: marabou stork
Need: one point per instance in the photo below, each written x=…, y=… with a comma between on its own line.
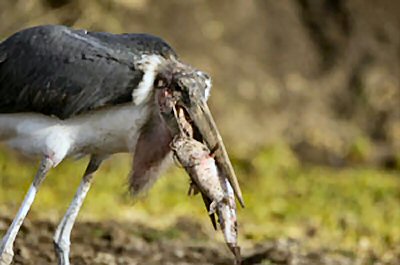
x=67, y=92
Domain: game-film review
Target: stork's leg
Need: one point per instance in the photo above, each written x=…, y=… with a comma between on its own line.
x=63, y=232
x=6, y=247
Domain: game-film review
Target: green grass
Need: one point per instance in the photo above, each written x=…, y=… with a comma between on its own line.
x=346, y=209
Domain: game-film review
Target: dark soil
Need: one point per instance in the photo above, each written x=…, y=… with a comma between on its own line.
x=186, y=242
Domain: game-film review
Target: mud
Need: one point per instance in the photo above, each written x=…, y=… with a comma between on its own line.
x=114, y=243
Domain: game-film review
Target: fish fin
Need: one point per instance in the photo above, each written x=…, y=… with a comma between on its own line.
x=207, y=203
x=193, y=189
x=190, y=191
x=176, y=161
x=213, y=208
x=212, y=151
x=213, y=221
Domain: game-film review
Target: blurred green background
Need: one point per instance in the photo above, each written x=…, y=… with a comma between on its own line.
x=306, y=95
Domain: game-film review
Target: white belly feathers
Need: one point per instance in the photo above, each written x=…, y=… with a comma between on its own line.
x=104, y=132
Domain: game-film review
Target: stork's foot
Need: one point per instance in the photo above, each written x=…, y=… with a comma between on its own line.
x=62, y=252
x=6, y=254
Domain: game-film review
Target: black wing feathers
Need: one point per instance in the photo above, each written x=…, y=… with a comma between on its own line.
x=58, y=71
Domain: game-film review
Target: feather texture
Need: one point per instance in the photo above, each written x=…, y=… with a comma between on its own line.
x=55, y=70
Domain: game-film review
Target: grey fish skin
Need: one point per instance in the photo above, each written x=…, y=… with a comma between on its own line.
x=226, y=211
x=196, y=159
x=198, y=162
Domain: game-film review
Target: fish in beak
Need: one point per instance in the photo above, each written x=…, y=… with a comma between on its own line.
x=218, y=196
x=180, y=86
x=203, y=121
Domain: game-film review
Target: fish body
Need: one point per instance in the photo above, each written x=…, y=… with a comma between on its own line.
x=216, y=190
x=195, y=157
x=226, y=211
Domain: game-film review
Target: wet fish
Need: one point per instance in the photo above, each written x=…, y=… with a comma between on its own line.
x=216, y=190
x=217, y=193
x=226, y=211
x=195, y=157
x=197, y=160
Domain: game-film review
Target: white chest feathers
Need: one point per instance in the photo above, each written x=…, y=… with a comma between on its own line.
x=107, y=131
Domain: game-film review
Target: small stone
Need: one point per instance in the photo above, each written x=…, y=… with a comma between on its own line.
x=24, y=252
x=179, y=253
x=103, y=258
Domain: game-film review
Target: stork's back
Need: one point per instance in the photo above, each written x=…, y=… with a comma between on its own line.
x=56, y=70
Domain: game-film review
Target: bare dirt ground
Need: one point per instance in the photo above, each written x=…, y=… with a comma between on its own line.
x=112, y=243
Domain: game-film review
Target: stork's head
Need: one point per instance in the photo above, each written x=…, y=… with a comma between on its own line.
x=180, y=86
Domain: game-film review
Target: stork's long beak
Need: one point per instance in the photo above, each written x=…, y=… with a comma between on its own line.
x=203, y=120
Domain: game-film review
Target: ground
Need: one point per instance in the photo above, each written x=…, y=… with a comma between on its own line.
x=294, y=215
x=109, y=243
